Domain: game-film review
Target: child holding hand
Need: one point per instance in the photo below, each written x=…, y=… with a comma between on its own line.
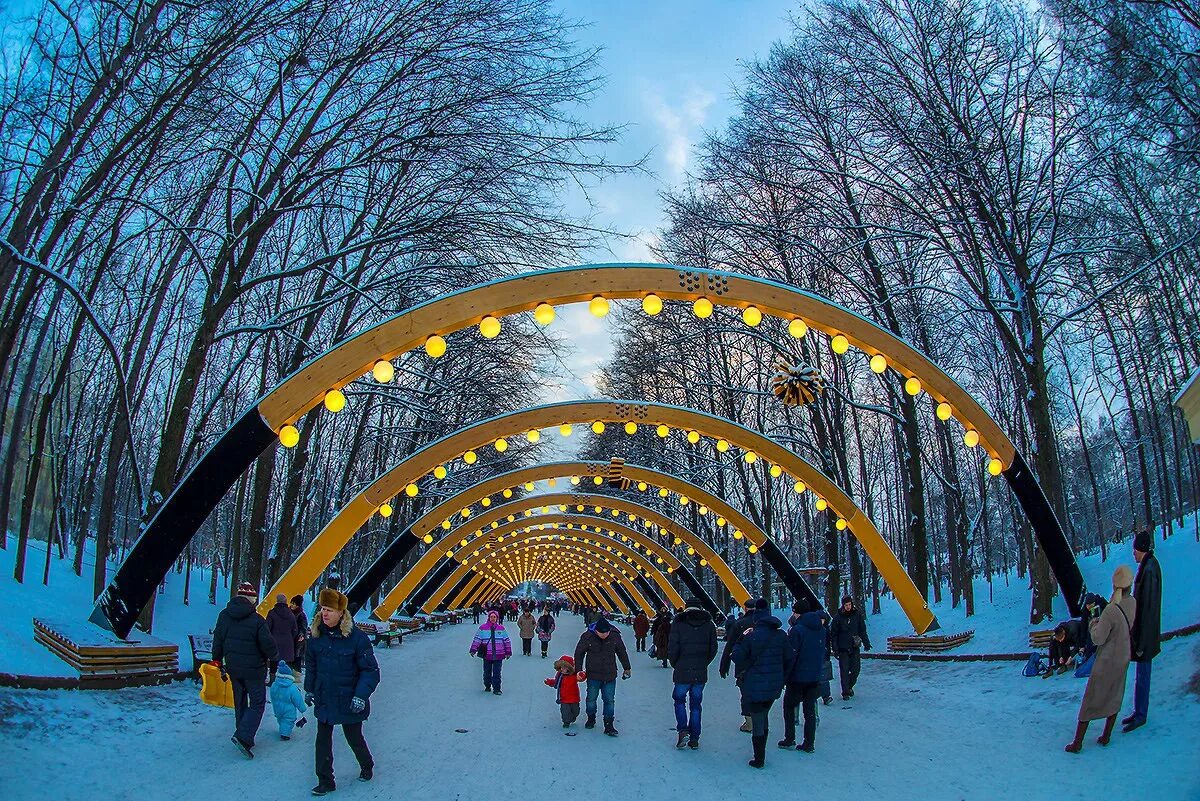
x=566, y=682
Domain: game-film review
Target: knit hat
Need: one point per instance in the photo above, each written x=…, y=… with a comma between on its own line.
x=333, y=599
x=693, y=602
x=565, y=661
x=761, y=603
x=298, y=600
x=283, y=670
x=801, y=606
x=1122, y=578
x=247, y=590
x=1142, y=541
x=846, y=599
x=603, y=626
x=493, y=616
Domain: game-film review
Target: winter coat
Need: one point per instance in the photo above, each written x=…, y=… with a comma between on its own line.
x=339, y=666
x=526, y=625
x=1106, y=686
x=545, y=627
x=691, y=646
x=301, y=627
x=641, y=625
x=661, y=629
x=566, y=682
x=762, y=658
x=808, y=640
x=281, y=622
x=599, y=656
x=494, y=641
x=287, y=702
x=733, y=633
x=1147, y=629
x=847, y=626
x=241, y=641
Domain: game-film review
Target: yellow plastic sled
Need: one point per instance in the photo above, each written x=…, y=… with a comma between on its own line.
x=213, y=691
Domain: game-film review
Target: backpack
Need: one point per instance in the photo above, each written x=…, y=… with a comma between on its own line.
x=1085, y=669
x=1034, y=666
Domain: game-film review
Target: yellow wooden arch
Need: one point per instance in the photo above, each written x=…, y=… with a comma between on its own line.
x=646, y=416
x=573, y=568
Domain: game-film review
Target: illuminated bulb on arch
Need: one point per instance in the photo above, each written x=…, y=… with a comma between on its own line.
x=564, y=430
x=662, y=430
x=289, y=436
x=335, y=401
x=753, y=548
x=428, y=538
x=386, y=510
x=597, y=480
x=435, y=346
x=971, y=438
x=652, y=304
x=944, y=411
x=470, y=457
x=544, y=314
x=598, y=306
x=702, y=308
x=913, y=386
x=799, y=487
x=693, y=437
x=995, y=467
x=597, y=427
x=489, y=327
x=776, y=471
x=751, y=457
x=501, y=445
x=797, y=328
x=439, y=472
x=751, y=316
x=840, y=524
x=878, y=363
x=822, y=504
x=534, y=435
x=839, y=344
x=383, y=371
x=507, y=493
x=631, y=428
x=411, y=490
x=641, y=485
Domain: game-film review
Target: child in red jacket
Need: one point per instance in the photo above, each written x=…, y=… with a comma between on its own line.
x=566, y=681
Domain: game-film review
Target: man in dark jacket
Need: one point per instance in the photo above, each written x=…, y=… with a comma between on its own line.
x=807, y=637
x=691, y=648
x=297, y=607
x=849, y=633
x=1146, y=634
x=243, y=647
x=601, y=646
x=734, y=627
x=340, y=673
x=761, y=657
x=281, y=622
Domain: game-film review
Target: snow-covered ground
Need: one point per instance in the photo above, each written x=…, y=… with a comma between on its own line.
x=960, y=731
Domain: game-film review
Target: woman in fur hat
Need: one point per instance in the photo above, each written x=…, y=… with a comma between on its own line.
x=340, y=673
x=1106, y=686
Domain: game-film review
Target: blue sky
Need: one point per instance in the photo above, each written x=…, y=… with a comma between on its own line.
x=671, y=68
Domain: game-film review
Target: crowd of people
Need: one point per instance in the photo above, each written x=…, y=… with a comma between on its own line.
x=329, y=666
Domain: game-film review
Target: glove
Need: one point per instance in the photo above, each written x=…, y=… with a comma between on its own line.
x=625, y=674
x=224, y=675
x=300, y=723
x=357, y=705
x=724, y=674
x=309, y=700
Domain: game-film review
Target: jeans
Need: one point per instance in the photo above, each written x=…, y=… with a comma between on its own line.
x=527, y=646
x=491, y=673
x=249, y=703
x=545, y=646
x=639, y=643
x=693, y=695
x=1141, y=690
x=354, y=736
x=849, y=663
x=607, y=691
x=758, y=711
x=795, y=695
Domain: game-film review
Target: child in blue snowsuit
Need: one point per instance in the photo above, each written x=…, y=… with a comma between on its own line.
x=286, y=701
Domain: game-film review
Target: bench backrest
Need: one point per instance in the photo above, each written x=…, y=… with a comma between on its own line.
x=201, y=642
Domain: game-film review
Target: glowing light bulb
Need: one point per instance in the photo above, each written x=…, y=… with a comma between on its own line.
x=878, y=363
x=411, y=490
x=751, y=457
x=722, y=445
x=995, y=467
x=913, y=386
x=839, y=344
x=822, y=504
x=631, y=428
x=662, y=430
x=737, y=534
x=383, y=371
x=776, y=471
x=662, y=492
x=564, y=430
x=489, y=327
x=534, y=435
x=598, y=306
x=840, y=524
x=501, y=445
x=702, y=308
x=435, y=346
x=652, y=304
x=335, y=401
x=753, y=548
x=289, y=436
x=544, y=314
x=971, y=438
x=598, y=480
x=439, y=472
x=751, y=316
x=693, y=437
x=798, y=328
x=799, y=487
x=507, y=493
x=641, y=485
x=385, y=510
x=470, y=457
x=597, y=427
x=575, y=480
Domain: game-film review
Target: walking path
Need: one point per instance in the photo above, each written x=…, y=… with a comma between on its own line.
x=940, y=731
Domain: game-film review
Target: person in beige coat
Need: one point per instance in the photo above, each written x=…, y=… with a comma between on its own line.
x=1106, y=686
x=527, y=624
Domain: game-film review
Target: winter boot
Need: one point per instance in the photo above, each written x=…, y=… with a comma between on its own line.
x=681, y=739
x=591, y=722
x=760, y=751
x=1109, y=722
x=323, y=789
x=746, y=727
x=805, y=747
x=1075, y=745
x=694, y=743
x=366, y=774
x=245, y=749
x=786, y=742
x=609, y=729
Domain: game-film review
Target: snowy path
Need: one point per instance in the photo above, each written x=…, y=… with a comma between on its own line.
x=958, y=731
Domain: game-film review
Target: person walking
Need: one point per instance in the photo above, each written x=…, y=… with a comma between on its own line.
x=761, y=656
x=691, y=648
x=1147, y=628
x=545, y=630
x=281, y=622
x=492, y=645
x=340, y=673
x=244, y=648
x=297, y=607
x=596, y=654
x=476, y=611
x=1105, y=689
x=287, y=702
x=660, y=632
x=734, y=626
x=527, y=627
x=565, y=681
x=807, y=638
x=641, y=627
x=849, y=634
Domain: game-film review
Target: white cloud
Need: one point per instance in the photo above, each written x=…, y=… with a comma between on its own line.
x=678, y=125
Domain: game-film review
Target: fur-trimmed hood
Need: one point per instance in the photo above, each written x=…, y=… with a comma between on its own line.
x=346, y=626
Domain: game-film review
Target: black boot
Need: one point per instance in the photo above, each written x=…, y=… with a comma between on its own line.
x=760, y=751
x=609, y=729
x=681, y=739
x=591, y=722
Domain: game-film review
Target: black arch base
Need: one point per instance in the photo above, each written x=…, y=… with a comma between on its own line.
x=378, y=571
x=649, y=591
x=697, y=589
x=625, y=596
x=606, y=596
x=1050, y=535
x=167, y=534
x=456, y=589
x=791, y=578
x=435, y=579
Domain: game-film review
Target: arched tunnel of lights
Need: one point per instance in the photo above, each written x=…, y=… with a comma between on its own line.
x=615, y=579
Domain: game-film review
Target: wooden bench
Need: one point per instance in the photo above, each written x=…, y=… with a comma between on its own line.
x=384, y=634
x=202, y=645
x=1040, y=640
x=407, y=623
x=928, y=642
x=429, y=623
x=105, y=661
